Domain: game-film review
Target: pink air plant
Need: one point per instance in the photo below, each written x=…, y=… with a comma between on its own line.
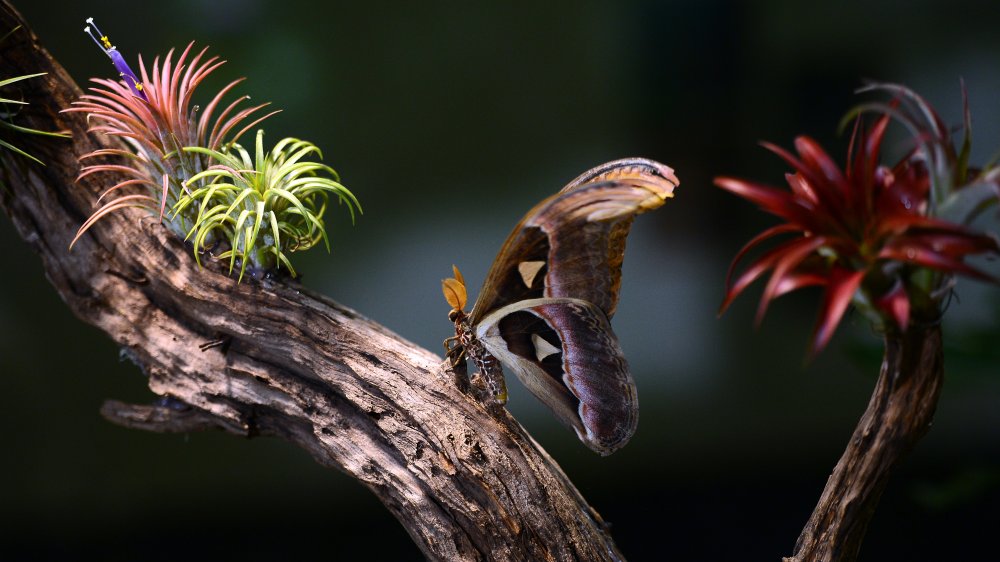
x=154, y=115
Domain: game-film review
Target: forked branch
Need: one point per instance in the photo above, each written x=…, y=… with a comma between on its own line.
x=273, y=358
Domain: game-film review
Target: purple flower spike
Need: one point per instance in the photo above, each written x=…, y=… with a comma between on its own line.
x=117, y=59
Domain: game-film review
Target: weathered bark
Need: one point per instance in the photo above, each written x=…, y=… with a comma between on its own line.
x=898, y=415
x=272, y=358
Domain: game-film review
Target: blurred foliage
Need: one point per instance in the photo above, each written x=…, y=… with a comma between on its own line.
x=965, y=486
x=11, y=106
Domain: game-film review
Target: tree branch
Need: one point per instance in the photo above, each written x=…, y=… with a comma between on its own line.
x=273, y=358
x=898, y=415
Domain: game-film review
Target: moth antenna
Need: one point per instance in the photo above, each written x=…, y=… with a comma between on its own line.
x=454, y=293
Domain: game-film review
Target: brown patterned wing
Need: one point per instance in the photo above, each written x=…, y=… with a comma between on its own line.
x=572, y=244
x=565, y=353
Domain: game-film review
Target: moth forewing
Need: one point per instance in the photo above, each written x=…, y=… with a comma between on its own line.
x=632, y=170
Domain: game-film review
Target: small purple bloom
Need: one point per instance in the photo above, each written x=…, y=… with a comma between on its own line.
x=117, y=59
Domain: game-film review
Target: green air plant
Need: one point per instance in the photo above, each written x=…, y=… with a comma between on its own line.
x=184, y=157
x=265, y=207
x=9, y=108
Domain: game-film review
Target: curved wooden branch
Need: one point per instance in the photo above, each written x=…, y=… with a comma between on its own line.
x=272, y=358
x=898, y=415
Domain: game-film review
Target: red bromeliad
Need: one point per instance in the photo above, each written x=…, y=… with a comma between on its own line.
x=870, y=233
x=890, y=239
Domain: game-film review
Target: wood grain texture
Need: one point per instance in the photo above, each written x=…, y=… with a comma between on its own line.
x=273, y=358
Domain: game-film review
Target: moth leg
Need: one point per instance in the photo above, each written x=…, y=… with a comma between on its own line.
x=449, y=345
x=454, y=352
x=455, y=361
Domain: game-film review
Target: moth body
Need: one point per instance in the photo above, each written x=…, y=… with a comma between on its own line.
x=488, y=380
x=468, y=346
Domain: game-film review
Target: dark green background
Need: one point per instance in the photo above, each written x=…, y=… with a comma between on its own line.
x=449, y=120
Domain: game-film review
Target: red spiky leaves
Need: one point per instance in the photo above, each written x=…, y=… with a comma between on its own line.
x=867, y=231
